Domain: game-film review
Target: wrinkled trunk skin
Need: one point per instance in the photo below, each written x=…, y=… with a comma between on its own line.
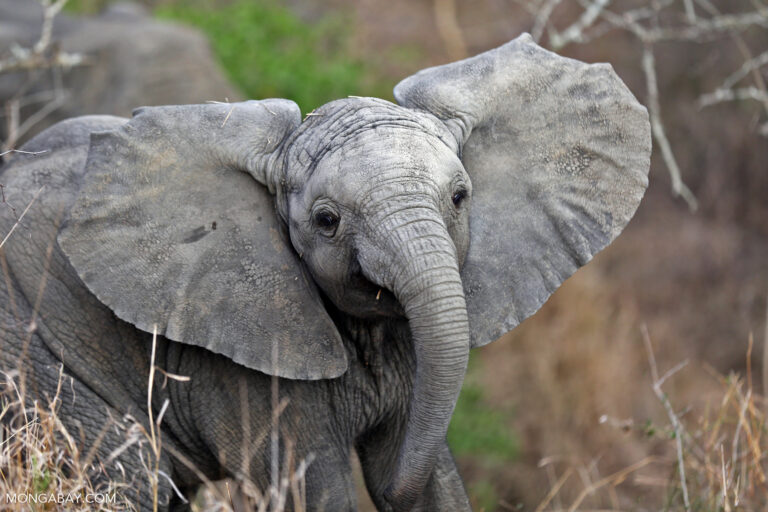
x=423, y=274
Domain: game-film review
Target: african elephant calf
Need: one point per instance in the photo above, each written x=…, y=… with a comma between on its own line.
x=357, y=255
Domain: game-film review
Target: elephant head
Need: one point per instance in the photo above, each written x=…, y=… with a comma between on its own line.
x=461, y=208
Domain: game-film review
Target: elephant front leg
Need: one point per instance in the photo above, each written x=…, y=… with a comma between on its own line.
x=329, y=484
x=444, y=490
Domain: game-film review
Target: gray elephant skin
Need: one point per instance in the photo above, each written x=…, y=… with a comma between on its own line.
x=357, y=256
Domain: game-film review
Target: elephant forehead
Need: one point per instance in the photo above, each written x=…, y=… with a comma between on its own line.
x=385, y=163
x=365, y=134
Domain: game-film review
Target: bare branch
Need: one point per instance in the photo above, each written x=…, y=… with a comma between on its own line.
x=24, y=152
x=708, y=29
x=41, y=56
x=749, y=66
x=38, y=56
x=542, y=18
x=24, y=59
x=723, y=95
x=448, y=26
x=654, y=109
x=18, y=221
x=35, y=118
x=676, y=425
x=671, y=372
x=575, y=32
x=12, y=124
x=50, y=11
x=765, y=350
x=690, y=12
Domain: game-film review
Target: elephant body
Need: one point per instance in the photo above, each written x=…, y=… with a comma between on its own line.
x=320, y=282
x=108, y=361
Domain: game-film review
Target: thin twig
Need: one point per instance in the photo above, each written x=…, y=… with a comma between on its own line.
x=746, y=68
x=49, y=12
x=38, y=116
x=229, y=113
x=542, y=18
x=18, y=221
x=41, y=56
x=554, y=489
x=677, y=427
x=690, y=12
x=642, y=22
x=447, y=22
x=616, y=477
x=765, y=351
x=575, y=32
x=22, y=152
x=154, y=437
x=657, y=127
x=744, y=93
x=275, y=431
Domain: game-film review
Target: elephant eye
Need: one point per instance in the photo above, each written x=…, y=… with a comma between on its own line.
x=458, y=197
x=327, y=221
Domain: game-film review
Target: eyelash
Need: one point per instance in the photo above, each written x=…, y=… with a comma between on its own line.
x=458, y=197
x=326, y=221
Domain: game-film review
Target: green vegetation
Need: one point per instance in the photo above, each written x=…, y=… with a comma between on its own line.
x=477, y=429
x=481, y=432
x=269, y=52
x=41, y=479
x=483, y=495
x=85, y=6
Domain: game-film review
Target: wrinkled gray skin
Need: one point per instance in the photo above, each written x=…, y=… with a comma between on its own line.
x=357, y=256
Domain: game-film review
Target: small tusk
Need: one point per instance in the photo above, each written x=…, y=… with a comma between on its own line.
x=378, y=294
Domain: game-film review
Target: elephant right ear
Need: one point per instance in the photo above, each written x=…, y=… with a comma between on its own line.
x=558, y=153
x=174, y=228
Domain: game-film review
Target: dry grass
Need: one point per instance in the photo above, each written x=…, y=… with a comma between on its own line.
x=715, y=461
x=42, y=463
x=585, y=408
x=721, y=450
x=40, y=460
x=44, y=467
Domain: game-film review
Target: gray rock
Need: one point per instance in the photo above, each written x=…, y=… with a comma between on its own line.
x=132, y=60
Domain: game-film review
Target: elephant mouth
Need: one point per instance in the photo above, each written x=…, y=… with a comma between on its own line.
x=362, y=298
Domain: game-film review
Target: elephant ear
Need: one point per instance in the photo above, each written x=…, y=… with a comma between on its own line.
x=558, y=153
x=175, y=228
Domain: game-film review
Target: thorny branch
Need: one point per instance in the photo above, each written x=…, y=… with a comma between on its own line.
x=669, y=21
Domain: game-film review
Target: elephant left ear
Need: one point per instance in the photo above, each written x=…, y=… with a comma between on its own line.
x=558, y=153
x=174, y=229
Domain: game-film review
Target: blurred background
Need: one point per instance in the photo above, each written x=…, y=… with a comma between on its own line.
x=574, y=410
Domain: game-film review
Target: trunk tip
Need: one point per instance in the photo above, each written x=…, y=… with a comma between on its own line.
x=401, y=498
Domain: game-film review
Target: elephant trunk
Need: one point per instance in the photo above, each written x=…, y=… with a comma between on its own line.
x=425, y=279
